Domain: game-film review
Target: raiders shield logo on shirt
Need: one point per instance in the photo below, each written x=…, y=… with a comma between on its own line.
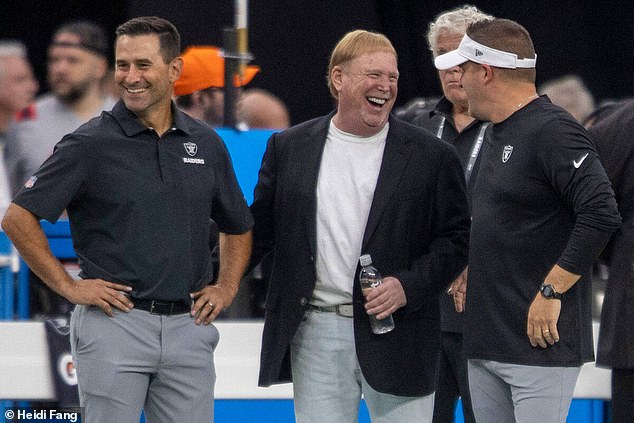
x=506, y=154
x=191, y=148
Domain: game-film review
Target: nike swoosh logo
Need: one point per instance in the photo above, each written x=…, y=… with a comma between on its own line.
x=576, y=163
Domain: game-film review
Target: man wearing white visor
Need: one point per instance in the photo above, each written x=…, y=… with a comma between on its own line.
x=543, y=209
x=479, y=53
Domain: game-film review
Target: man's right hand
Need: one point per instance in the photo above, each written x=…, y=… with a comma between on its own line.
x=102, y=294
x=24, y=230
x=458, y=290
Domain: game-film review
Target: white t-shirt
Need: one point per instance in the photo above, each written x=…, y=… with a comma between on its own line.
x=345, y=188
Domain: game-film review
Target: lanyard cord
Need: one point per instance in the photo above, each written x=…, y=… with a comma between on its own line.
x=441, y=127
x=475, y=150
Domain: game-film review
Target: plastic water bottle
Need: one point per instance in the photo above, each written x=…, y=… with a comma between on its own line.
x=370, y=278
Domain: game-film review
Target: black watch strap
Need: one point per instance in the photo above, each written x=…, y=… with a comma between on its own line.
x=548, y=291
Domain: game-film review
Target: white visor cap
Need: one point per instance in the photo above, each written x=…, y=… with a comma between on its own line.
x=470, y=50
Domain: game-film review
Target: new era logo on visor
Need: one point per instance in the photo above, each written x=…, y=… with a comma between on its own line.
x=478, y=53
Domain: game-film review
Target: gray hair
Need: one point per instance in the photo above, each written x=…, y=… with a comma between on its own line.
x=11, y=48
x=455, y=21
x=570, y=93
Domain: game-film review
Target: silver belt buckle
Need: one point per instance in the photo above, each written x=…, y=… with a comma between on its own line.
x=345, y=310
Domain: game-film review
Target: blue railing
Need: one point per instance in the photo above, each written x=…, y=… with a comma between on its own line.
x=8, y=259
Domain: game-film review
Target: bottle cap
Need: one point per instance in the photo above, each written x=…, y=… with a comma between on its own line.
x=365, y=260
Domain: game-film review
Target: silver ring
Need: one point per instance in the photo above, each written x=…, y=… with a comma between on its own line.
x=212, y=305
x=546, y=331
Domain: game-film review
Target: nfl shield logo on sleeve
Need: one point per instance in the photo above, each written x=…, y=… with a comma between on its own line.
x=32, y=180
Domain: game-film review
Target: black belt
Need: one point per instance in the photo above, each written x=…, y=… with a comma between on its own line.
x=343, y=310
x=161, y=307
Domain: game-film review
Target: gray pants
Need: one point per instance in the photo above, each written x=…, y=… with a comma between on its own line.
x=503, y=392
x=328, y=383
x=137, y=360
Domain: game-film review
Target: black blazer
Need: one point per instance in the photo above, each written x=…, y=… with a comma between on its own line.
x=613, y=139
x=417, y=231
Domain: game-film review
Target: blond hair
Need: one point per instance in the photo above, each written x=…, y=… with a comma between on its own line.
x=353, y=45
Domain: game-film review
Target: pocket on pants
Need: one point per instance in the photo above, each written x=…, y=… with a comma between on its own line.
x=76, y=319
x=214, y=336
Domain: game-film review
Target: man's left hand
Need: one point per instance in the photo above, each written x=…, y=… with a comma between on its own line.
x=209, y=302
x=386, y=298
x=543, y=315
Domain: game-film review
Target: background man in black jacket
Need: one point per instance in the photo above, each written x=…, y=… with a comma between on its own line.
x=613, y=139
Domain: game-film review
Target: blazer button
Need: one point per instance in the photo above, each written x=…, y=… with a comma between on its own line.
x=303, y=301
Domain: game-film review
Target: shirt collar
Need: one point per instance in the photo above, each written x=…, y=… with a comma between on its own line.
x=132, y=125
x=443, y=106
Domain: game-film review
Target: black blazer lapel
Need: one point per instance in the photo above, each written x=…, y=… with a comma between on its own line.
x=309, y=157
x=394, y=163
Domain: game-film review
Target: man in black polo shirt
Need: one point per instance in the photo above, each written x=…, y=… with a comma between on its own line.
x=543, y=209
x=140, y=184
x=450, y=120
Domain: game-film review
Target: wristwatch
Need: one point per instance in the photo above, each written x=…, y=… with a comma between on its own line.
x=548, y=291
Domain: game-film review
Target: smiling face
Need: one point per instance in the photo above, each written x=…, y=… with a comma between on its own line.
x=367, y=88
x=144, y=79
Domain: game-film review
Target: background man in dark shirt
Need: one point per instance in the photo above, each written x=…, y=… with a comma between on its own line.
x=543, y=210
x=450, y=120
x=613, y=139
x=140, y=184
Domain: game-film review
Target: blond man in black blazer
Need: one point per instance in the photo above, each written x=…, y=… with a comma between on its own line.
x=358, y=181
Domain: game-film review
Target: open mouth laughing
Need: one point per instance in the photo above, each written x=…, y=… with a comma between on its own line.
x=376, y=101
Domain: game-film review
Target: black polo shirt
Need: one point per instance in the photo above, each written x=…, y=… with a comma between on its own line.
x=140, y=205
x=441, y=116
